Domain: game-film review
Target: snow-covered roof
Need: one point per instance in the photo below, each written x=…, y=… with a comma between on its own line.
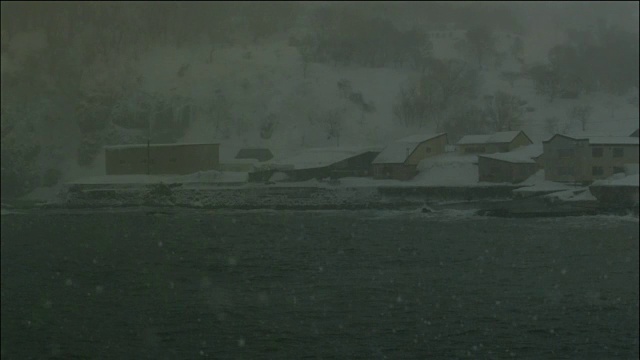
x=399, y=151
x=613, y=140
x=133, y=146
x=320, y=157
x=523, y=154
x=596, y=139
x=419, y=138
x=616, y=180
x=496, y=138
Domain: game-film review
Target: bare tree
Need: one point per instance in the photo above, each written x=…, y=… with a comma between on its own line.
x=504, y=111
x=581, y=114
x=551, y=124
x=480, y=43
x=331, y=121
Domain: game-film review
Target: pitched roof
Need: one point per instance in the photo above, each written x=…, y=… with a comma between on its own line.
x=600, y=140
x=613, y=140
x=320, y=157
x=521, y=155
x=398, y=151
x=496, y=138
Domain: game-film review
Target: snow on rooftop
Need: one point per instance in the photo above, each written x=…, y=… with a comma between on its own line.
x=537, y=182
x=523, y=154
x=320, y=157
x=418, y=138
x=617, y=180
x=617, y=140
x=496, y=138
x=601, y=139
x=398, y=151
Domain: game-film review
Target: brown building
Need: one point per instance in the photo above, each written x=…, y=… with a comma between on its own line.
x=510, y=167
x=400, y=160
x=584, y=159
x=160, y=159
x=319, y=163
x=493, y=143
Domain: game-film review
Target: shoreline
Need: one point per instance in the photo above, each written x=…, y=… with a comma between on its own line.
x=494, y=200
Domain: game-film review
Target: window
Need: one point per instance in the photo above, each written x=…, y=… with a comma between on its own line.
x=172, y=160
x=618, y=152
x=618, y=169
x=564, y=153
x=503, y=148
x=122, y=162
x=597, y=170
x=597, y=152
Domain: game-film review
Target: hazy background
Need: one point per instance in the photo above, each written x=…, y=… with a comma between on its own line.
x=77, y=76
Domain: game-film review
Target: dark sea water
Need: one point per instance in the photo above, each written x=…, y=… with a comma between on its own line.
x=317, y=285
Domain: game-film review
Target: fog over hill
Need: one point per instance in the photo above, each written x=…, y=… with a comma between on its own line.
x=289, y=75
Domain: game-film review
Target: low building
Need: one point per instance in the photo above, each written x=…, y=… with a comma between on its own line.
x=161, y=159
x=510, y=167
x=319, y=163
x=493, y=143
x=399, y=160
x=620, y=191
x=583, y=159
x=259, y=154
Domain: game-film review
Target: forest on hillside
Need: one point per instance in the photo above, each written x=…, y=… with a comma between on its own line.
x=67, y=68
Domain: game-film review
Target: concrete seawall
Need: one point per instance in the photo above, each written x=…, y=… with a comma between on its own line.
x=274, y=197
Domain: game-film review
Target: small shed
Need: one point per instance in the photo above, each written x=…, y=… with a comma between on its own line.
x=400, y=159
x=259, y=154
x=493, y=143
x=510, y=167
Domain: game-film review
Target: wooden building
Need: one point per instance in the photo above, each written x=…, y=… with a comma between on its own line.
x=160, y=159
x=493, y=143
x=400, y=159
x=510, y=167
x=583, y=159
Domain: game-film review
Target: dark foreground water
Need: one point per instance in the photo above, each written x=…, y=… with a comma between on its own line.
x=317, y=285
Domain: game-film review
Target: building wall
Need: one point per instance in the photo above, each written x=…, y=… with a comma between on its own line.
x=493, y=170
x=394, y=171
x=167, y=159
x=602, y=167
x=467, y=149
x=520, y=140
x=566, y=160
x=427, y=149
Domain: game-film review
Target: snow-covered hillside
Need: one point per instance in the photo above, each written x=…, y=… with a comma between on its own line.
x=253, y=83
